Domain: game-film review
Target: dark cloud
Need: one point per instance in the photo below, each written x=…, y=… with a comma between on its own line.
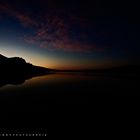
x=22, y=18
x=54, y=29
x=78, y=26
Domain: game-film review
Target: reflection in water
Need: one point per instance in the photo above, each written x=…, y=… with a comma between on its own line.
x=15, y=80
x=32, y=100
x=71, y=83
x=46, y=81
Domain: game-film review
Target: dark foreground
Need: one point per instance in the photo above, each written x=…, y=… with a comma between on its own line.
x=39, y=102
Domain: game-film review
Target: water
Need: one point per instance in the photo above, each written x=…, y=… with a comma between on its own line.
x=71, y=84
x=29, y=104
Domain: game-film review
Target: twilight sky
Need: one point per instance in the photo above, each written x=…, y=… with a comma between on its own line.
x=70, y=34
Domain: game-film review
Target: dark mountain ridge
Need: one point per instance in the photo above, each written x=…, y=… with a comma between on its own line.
x=16, y=70
x=19, y=66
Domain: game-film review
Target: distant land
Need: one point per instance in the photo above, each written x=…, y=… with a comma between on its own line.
x=16, y=70
x=118, y=69
x=18, y=65
x=126, y=71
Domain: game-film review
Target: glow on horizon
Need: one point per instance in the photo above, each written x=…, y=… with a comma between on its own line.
x=30, y=57
x=43, y=61
x=38, y=59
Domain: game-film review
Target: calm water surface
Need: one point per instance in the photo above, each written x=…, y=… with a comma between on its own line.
x=73, y=84
x=32, y=102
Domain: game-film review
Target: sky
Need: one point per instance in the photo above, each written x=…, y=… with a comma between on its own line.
x=70, y=34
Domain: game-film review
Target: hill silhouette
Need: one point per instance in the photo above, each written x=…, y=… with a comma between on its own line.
x=16, y=70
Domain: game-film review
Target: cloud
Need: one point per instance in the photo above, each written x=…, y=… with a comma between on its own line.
x=53, y=31
x=22, y=18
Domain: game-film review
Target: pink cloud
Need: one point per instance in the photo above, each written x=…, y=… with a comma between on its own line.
x=23, y=19
x=52, y=32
